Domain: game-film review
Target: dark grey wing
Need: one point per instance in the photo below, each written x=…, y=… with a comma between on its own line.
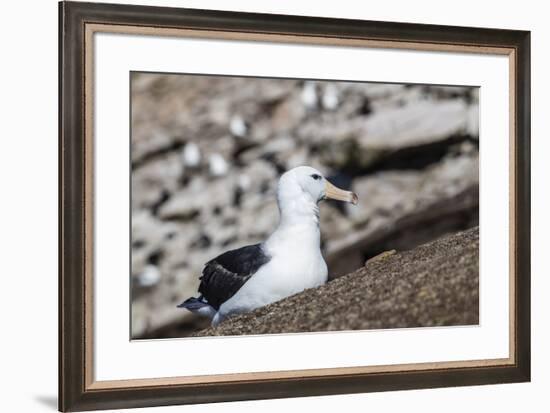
x=223, y=276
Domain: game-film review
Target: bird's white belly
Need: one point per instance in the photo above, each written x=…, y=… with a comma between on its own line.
x=285, y=275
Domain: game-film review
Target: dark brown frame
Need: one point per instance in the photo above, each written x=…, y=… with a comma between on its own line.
x=77, y=389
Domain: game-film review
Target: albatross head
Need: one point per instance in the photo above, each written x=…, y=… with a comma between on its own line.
x=307, y=185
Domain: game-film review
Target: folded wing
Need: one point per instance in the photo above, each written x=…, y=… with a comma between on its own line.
x=223, y=276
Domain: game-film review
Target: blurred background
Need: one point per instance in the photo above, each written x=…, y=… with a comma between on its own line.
x=207, y=152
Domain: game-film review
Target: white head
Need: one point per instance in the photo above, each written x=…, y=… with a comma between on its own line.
x=302, y=188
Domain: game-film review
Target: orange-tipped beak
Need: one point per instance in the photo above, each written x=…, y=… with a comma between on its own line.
x=338, y=194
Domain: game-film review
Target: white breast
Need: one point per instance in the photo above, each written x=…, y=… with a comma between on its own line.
x=296, y=264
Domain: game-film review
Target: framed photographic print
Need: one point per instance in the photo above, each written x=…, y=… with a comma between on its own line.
x=263, y=206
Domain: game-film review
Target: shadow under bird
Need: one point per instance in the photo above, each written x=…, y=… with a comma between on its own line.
x=288, y=262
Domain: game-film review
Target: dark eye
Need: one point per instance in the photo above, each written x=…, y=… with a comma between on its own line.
x=316, y=177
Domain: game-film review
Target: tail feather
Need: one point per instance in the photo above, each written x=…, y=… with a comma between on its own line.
x=198, y=306
x=193, y=303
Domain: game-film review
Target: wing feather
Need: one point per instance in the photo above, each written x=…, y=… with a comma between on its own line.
x=223, y=276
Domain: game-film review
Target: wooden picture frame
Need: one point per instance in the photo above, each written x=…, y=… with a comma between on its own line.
x=77, y=388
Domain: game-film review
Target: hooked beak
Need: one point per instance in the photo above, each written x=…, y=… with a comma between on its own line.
x=332, y=192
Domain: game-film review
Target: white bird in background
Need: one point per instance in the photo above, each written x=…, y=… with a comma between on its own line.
x=217, y=165
x=309, y=95
x=191, y=155
x=238, y=127
x=288, y=262
x=330, y=98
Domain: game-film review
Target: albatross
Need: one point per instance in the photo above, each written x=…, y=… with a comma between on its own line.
x=287, y=262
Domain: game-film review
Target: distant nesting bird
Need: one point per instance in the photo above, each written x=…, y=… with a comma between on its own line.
x=309, y=95
x=191, y=155
x=288, y=262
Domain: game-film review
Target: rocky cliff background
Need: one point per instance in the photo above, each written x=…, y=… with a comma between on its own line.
x=207, y=152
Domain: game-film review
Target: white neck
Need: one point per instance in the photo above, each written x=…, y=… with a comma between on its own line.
x=298, y=224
